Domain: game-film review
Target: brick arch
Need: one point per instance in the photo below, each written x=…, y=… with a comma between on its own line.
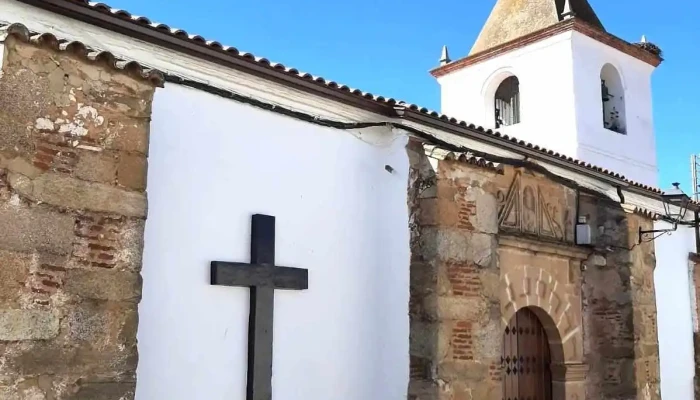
x=546, y=297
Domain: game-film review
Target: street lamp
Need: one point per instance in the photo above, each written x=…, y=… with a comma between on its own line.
x=676, y=204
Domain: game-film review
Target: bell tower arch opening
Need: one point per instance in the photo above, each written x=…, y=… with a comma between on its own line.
x=613, y=99
x=507, y=102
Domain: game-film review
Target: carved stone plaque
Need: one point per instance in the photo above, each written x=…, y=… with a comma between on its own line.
x=536, y=206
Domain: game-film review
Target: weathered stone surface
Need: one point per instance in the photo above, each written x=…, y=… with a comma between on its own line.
x=28, y=325
x=72, y=193
x=48, y=358
x=132, y=171
x=97, y=167
x=15, y=163
x=25, y=229
x=486, y=213
x=104, y=391
x=104, y=284
x=14, y=272
x=71, y=232
x=459, y=246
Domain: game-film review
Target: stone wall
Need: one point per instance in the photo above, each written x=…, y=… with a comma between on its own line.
x=619, y=306
x=694, y=266
x=73, y=146
x=455, y=297
x=490, y=240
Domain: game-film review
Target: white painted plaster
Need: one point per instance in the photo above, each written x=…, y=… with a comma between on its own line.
x=633, y=154
x=561, y=107
x=340, y=214
x=674, y=312
x=546, y=92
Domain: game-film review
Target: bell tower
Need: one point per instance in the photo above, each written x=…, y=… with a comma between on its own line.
x=548, y=72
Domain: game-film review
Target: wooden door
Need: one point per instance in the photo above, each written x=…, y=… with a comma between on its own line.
x=526, y=359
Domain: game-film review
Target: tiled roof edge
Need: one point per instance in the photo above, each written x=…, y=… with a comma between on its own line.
x=550, y=31
x=385, y=106
x=79, y=49
x=440, y=153
x=143, y=28
x=501, y=138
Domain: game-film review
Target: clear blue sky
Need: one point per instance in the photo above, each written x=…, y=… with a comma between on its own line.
x=387, y=47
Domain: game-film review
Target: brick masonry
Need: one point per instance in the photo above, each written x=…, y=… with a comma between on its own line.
x=487, y=242
x=73, y=147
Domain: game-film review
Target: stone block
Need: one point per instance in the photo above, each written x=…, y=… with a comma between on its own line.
x=50, y=358
x=482, y=249
x=97, y=167
x=486, y=213
x=132, y=171
x=460, y=308
x=35, y=229
x=104, y=284
x=72, y=193
x=440, y=212
x=102, y=324
x=104, y=391
x=470, y=371
x=459, y=246
x=129, y=136
x=28, y=325
x=14, y=271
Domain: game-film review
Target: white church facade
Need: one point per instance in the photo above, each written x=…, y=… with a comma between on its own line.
x=186, y=221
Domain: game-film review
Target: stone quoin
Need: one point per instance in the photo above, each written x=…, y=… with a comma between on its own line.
x=432, y=258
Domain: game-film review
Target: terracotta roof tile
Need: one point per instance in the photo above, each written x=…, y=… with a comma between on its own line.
x=465, y=157
x=215, y=45
x=77, y=48
x=201, y=41
x=528, y=145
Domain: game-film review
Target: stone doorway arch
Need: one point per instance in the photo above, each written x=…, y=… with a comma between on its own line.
x=558, y=310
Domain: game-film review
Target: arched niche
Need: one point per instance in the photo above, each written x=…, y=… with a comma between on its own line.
x=613, y=99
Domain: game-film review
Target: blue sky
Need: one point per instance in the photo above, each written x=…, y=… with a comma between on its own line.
x=387, y=47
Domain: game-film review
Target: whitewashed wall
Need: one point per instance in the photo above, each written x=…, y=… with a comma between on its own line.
x=561, y=106
x=674, y=312
x=213, y=163
x=545, y=72
x=633, y=154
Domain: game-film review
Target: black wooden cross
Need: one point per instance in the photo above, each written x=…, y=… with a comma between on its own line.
x=262, y=277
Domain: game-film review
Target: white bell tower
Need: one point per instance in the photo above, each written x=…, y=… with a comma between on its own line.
x=547, y=72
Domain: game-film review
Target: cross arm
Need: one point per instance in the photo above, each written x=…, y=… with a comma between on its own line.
x=251, y=275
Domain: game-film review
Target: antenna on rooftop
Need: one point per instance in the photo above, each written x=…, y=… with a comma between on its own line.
x=695, y=172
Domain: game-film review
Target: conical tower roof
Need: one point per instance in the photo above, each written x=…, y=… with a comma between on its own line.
x=512, y=19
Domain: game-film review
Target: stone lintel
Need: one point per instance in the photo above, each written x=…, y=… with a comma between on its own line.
x=538, y=246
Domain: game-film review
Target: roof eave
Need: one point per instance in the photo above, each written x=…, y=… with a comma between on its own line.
x=151, y=35
x=561, y=27
x=500, y=141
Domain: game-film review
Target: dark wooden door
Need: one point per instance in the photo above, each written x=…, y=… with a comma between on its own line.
x=526, y=360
